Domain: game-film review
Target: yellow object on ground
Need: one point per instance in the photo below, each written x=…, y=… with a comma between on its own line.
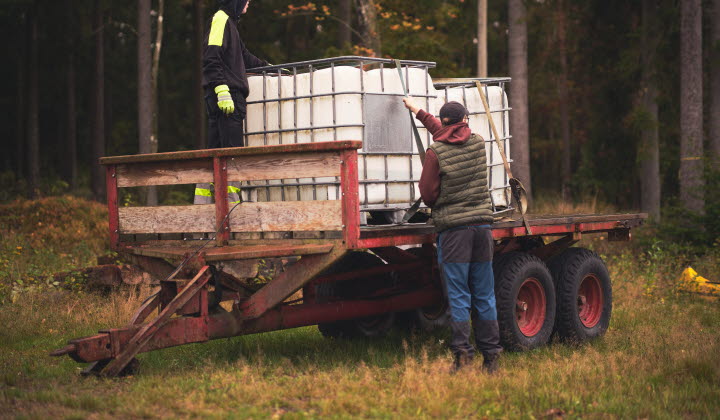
x=690, y=281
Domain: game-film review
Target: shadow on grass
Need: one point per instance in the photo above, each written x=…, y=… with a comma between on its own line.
x=305, y=349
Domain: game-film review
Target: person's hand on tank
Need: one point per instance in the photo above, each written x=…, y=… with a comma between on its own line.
x=409, y=104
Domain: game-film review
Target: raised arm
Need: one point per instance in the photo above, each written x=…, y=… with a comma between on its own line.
x=430, y=122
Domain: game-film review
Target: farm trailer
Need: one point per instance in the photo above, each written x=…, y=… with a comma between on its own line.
x=347, y=278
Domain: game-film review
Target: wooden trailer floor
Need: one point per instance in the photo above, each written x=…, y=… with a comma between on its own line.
x=372, y=236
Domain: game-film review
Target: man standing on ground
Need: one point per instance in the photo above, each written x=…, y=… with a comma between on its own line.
x=225, y=61
x=454, y=183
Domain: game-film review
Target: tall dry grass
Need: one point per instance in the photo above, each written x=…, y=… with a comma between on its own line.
x=657, y=360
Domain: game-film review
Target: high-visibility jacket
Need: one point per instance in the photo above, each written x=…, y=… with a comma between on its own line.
x=225, y=59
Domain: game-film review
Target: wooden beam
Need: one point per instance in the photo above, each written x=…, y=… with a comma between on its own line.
x=229, y=253
x=178, y=172
x=283, y=166
x=281, y=216
x=277, y=216
x=168, y=219
x=326, y=146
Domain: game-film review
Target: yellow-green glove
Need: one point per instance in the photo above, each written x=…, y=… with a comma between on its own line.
x=225, y=102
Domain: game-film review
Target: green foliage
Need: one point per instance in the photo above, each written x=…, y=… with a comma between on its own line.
x=43, y=237
x=698, y=233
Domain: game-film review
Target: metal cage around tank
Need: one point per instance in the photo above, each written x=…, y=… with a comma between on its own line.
x=384, y=127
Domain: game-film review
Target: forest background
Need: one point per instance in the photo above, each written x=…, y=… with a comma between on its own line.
x=622, y=97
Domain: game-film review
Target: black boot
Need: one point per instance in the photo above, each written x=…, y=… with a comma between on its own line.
x=462, y=360
x=460, y=344
x=490, y=362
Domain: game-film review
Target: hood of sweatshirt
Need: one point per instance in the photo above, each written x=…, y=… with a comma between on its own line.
x=233, y=8
x=457, y=133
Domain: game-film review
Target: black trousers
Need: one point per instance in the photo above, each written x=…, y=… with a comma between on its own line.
x=225, y=130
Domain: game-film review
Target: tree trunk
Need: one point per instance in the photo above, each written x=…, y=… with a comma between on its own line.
x=367, y=16
x=152, y=198
x=98, y=143
x=649, y=152
x=144, y=85
x=22, y=123
x=519, y=120
x=157, y=47
x=714, y=129
x=691, y=106
x=564, y=99
x=33, y=141
x=71, y=123
x=70, y=158
x=482, y=39
x=345, y=15
x=198, y=94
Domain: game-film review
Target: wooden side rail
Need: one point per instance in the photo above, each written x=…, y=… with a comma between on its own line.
x=220, y=166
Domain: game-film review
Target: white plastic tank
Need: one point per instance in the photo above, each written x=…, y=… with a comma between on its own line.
x=345, y=102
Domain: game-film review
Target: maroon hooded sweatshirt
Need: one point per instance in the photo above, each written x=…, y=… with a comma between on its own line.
x=457, y=133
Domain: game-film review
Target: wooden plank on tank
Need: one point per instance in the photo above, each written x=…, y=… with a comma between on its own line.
x=282, y=216
x=167, y=219
x=177, y=172
x=283, y=166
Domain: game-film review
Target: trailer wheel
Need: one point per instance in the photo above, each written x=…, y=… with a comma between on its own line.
x=430, y=318
x=371, y=326
x=584, y=295
x=525, y=298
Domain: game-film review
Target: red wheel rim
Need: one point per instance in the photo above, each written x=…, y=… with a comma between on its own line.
x=530, y=307
x=590, y=301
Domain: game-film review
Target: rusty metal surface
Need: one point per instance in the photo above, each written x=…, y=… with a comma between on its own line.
x=292, y=316
x=147, y=331
x=396, y=240
x=185, y=330
x=350, y=200
x=222, y=224
x=112, y=203
x=288, y=282
x=236, y=151
x=146, y=309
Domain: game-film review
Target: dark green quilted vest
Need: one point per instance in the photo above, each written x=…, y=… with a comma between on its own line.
x=464, y=196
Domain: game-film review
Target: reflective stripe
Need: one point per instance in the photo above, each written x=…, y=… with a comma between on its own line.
x=233, y=189
x=203, y=192
x=217, y=28
x=235, y=202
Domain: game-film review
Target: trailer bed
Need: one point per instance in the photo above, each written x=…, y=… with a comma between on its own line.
x=204, y=254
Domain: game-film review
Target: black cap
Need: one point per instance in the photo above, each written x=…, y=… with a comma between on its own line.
x=453, y=112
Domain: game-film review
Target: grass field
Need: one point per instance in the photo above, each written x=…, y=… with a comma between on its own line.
x=659, y=359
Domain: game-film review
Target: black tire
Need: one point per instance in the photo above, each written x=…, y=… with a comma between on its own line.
x=527, y=329
x=372, y=326
x=429, y=318
x=584, y=295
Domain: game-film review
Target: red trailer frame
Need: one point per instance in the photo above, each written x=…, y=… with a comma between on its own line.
x=319, y=232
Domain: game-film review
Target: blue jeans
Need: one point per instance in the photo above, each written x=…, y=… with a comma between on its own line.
x=465, y=260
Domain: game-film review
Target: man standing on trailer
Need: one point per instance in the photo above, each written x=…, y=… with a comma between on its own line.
x=225, y=60
x=454, y=183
